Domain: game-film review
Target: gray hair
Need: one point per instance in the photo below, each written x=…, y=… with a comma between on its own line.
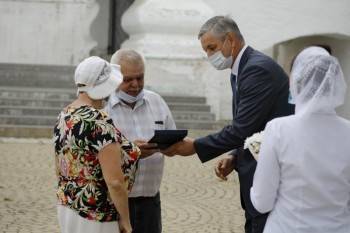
x=220, y=26
x=127, y=55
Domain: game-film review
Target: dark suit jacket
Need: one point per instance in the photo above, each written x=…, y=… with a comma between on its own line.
x=261, y=94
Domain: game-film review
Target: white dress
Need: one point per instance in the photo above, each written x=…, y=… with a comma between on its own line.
x=303, y=175
x=71, y=222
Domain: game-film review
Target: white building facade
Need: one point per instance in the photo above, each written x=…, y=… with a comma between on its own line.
x=63, y=32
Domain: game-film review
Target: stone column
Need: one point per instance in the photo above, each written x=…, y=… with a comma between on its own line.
x=165, y=32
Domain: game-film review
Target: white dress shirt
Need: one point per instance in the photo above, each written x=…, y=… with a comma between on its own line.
x=303, y=174
x=238, y=60
x=139, y=123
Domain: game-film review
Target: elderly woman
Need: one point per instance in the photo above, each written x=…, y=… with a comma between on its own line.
x=95, y=163
x=303, y=172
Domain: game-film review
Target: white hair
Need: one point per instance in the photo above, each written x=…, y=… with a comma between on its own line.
x=129, y=56
x=220, y=26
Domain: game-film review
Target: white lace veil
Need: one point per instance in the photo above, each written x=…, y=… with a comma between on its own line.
x=317, y=81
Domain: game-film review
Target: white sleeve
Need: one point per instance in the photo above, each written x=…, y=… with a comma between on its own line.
x=266, y=181
x=169, y=121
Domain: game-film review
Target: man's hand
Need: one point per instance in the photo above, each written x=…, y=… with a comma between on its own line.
x=225, y=166
x=147, y=149
x=184, y=148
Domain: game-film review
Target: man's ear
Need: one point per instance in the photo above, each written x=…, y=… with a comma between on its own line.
x=232, y=37
x=233, y=41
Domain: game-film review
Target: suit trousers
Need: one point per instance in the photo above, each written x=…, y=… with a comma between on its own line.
x=255, y=224
x=145, y=214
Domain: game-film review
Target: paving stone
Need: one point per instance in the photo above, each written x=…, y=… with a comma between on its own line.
x=193, y=199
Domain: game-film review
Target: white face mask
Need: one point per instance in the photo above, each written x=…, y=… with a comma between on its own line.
x=129, y=98
x=219, y=61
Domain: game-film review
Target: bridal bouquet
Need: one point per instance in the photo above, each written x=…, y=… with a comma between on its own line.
x=253, y=144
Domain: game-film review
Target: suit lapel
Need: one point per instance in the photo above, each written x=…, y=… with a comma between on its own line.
x=242, y=63
x=244, y=59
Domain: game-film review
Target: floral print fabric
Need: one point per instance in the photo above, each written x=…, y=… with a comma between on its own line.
x=79, y=135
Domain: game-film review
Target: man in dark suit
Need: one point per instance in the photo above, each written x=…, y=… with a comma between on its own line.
x=260, y=90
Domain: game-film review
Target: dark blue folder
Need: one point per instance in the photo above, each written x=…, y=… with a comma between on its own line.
x=165, y=138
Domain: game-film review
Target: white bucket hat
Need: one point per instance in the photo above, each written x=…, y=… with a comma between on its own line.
x=98, y=77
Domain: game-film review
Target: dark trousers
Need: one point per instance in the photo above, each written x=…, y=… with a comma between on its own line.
x=246, y=164
x=254, y=224
x=145, y=214
x=254, y=221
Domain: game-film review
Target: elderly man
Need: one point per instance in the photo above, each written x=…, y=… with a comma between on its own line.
x=137, y=112
x=260, y=91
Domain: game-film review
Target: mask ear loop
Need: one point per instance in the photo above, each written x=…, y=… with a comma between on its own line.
x=223, y=45
x=233, y=45
x=232, y=48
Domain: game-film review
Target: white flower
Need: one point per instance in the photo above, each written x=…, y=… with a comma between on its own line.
x=253, y=144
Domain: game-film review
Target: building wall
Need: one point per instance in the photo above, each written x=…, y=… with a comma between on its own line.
x=264, y=23
x=63, y=32
x=100, y=28
x=267, y=24
x=102, y=25
x=340, y=46
x=46, y=31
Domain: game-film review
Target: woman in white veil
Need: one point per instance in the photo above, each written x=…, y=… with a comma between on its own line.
x=317, y=81
x=303, y=172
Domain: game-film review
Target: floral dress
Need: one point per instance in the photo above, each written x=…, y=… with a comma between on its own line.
x=79, y=135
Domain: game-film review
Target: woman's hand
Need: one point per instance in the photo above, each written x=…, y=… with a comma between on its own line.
x=147, y=149
x=125, y=226
x=110, y=161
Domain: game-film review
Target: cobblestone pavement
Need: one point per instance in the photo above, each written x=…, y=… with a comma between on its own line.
x=193, y=199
